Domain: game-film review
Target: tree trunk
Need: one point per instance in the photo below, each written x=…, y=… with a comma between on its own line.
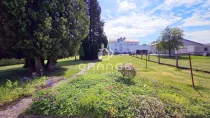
x=38, y=64
x=50, y=64
x=29, y=64
x=169, y=53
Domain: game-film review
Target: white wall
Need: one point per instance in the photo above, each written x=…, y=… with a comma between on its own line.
x=122, y=46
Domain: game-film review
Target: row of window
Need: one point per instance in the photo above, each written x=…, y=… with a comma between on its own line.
x=128, y=44
x=121, y=49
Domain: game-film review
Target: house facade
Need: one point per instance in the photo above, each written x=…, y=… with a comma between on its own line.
x=124, y=46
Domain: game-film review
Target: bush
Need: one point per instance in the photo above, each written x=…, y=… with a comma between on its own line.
x=127, y=71
x=147, y=107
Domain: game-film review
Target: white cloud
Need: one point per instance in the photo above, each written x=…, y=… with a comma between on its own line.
x=199, y=18
x=170, y=4
x=137, y=25
x=133, y=20
x=198, y=36
x=125, y=5
x=206, y=4
x=196, y=20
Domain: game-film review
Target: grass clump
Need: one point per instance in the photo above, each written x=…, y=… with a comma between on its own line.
x=14, y=90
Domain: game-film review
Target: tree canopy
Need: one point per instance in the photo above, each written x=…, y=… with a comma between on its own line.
x=43, y=29
x=92, y=43
x=170, y=39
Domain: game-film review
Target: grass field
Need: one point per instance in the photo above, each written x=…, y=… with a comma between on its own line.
x=10, y=76
x=8, y=62
x=103, y=93
x=198, y=62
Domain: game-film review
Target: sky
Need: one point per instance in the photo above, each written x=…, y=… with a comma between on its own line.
x=144, y=20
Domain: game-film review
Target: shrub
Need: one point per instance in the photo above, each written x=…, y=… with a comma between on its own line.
x=147, y=107
x=127, y=70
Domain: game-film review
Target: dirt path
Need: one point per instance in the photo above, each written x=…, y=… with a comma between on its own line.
x=15, y=110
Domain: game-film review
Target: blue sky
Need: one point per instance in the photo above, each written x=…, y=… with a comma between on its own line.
x=145, y=19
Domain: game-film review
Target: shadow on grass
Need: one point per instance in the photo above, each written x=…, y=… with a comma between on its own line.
x=126, y=81
x=174, y=57
x=16, y=73
x=13, y=74
x=73, y=62
x=198, y=89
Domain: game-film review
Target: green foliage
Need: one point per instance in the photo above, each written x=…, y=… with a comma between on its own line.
x=170, y=39
x=96, y=36
x=9, y=35
x=13, y=90
x=44, y=29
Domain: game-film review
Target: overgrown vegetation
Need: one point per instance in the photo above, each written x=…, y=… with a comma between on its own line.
x=163, y=91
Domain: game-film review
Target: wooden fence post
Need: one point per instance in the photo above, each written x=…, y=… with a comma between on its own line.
x=146, y=60
x=191, y=71
x=141, y=55
x=158, y=57
x=177, y=60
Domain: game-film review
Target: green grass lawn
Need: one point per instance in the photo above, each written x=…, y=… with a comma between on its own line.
x=104, y=93
x=10, y=90
x=198, y=62
x=7, y=62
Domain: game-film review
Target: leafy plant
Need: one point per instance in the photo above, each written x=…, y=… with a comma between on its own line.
x=127, y=70
x=147, y=107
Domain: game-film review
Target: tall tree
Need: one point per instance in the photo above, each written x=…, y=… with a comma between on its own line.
x=49, y=29
x=9, y=37
x=170, y=39
x=96, y=36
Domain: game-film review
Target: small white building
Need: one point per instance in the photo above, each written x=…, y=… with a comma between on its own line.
x=124, y=46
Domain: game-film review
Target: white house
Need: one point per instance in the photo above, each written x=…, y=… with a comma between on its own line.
x=124, y=46
x=188, y=47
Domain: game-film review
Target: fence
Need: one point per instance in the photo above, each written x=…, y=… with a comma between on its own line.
x=199, y=63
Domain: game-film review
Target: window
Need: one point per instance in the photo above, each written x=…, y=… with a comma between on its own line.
x=205, y=49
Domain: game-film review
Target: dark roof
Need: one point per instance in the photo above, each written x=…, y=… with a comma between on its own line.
x=193, y=42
